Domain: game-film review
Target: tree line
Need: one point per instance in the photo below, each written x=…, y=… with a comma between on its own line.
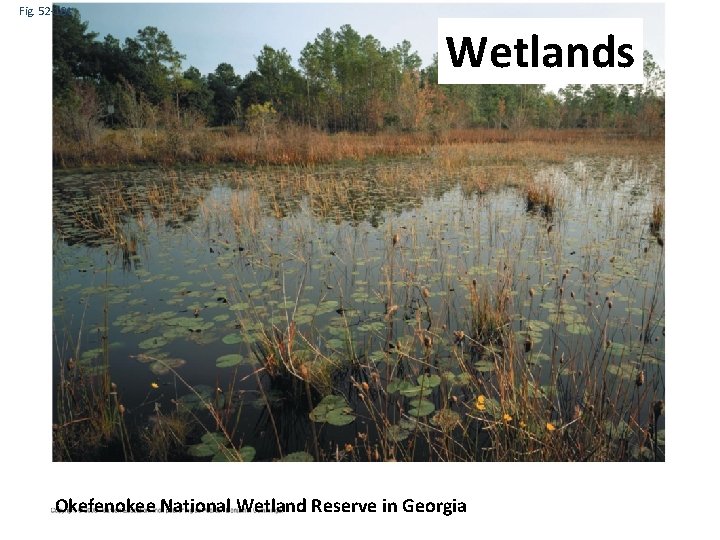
x=344, y=82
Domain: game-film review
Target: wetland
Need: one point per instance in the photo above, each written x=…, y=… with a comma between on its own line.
x=475, y=302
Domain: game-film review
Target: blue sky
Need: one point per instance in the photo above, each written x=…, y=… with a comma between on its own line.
x=209, y=34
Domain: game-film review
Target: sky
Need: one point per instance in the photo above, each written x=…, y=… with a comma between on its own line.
x=209, y=34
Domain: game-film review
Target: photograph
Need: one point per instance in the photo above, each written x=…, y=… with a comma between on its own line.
x=276, y=237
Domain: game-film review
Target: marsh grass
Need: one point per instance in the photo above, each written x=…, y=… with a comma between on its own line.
x=542, y=197
x=657, y=218
x=90, y=416
x=294, y=145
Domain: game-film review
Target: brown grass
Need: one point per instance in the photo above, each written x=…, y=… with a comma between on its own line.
x=293, y=145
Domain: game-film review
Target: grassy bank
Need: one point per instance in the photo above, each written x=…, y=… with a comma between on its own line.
x=293, y=145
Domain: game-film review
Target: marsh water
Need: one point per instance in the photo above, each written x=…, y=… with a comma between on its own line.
x=351, y=272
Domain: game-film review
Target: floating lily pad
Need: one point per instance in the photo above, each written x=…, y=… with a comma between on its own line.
x=445, y=419
x=333, y=410
x=578, y=328
x=407, y=389
x=229, y=360
x=162, y=367
x=298, y=457
x=201, y=450
x=153, y=343
x=485, y=366
x=232, y=339
x=245, y=454
x=421, y=408
x=428, y=381
x=618, y=349
x=396, y=433
x=625, y=371
x=202, y=396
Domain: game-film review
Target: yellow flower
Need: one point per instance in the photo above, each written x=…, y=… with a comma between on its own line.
x=550, y=427
x=522, y=425
x=480, y=403
x=154, y=385
x=507, y=417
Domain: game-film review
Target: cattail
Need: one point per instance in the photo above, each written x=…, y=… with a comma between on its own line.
x=577, y=412
x=609, y=304
x=572, y=294
x=113, y=387
x=395, y=239
x=348, y=448
x=658, y=408
x=561, y=290
x=532, y=292
x=640, y=379
x=528, y=344
x=427, y=341
x=196, y=311
x=71, y=364
x=121, y=408
x=459, y=336
x=426, y=292
x=365, y=386
x=474, y=283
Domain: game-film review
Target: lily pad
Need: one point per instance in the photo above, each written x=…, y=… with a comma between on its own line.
x=229, y=360
x=334, y=410
x=232, y=339
x=421, y=408
x=153, y=342
x=396, y=433
x=428, y=381
x=163, y=367
x=485, y=366
x=245, y=454
x=578, y=328
x=298, y=457
x=624, y=371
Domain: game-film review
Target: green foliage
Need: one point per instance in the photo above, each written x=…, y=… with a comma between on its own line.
x=345, y=81
x=334, y=410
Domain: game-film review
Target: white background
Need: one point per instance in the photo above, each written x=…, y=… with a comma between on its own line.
x=670, y=500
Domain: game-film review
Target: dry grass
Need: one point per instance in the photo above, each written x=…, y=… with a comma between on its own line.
x=543, y=197
x=294, y=145
x=658, y=216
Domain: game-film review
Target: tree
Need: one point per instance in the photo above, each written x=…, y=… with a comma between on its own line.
x=162, y=62
x=72, y=45
x=223, y=83
x=279, y=82
x=197, y=95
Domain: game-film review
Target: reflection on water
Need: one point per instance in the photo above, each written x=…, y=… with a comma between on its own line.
x=247, y=283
